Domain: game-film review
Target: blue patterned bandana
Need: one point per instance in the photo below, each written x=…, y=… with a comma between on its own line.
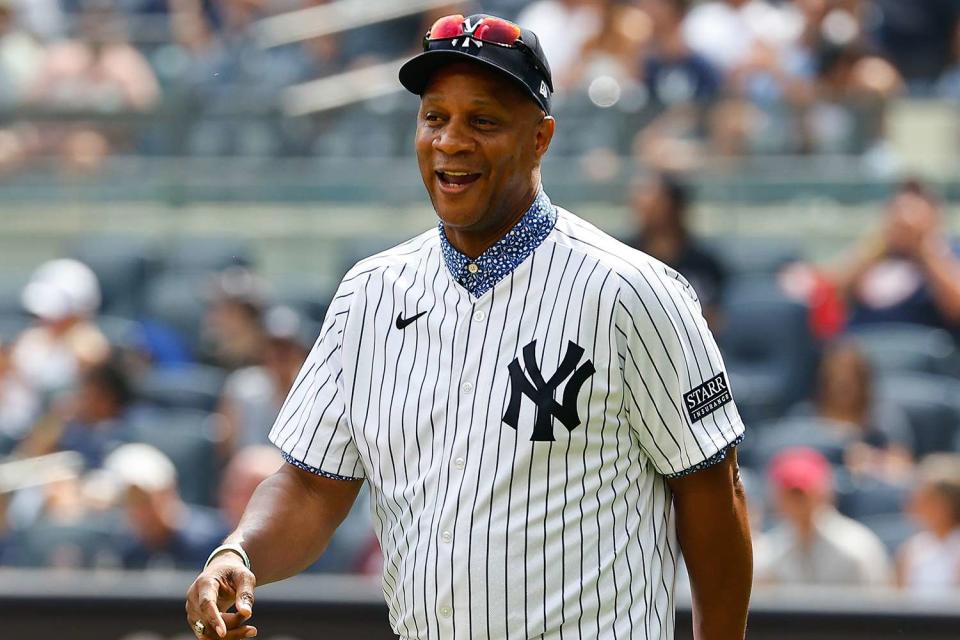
x=497, y=262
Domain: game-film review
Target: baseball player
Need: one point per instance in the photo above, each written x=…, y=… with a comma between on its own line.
x=541, y=413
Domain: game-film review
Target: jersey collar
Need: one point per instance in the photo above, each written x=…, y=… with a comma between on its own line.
x=497, y=262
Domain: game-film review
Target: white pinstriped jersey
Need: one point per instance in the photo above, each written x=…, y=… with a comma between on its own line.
x=516, y=442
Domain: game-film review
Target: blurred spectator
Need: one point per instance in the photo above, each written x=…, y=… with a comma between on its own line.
x=196, y=55
x=252, y=396
x=100, y=72
x=163, y=531
x=814, y=544
x=94, y=420
x=878, y=433
x=233, y=81
x=908, y=271
x=615, y=50
x=728, y=32
x=42, y=18
x=97, y=71
x=673, y=72
x=247, y=469
x=232, y=335
x=19, y=406
x=929, y=562
x=853, y=90
x=63, y=295
x=919, y=37
x=661, y=209
x=563, y=26
x=6, y=540
x=20, y=57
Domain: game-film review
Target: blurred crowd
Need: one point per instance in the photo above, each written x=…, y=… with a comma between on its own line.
x=689, y=80
x=138, y=383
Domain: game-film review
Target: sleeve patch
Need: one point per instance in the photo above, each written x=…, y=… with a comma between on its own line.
x=707, y=398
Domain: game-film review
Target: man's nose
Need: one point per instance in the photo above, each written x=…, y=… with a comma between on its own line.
x=454, y=138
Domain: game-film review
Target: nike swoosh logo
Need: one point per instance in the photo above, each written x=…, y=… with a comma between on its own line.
x=403, y=323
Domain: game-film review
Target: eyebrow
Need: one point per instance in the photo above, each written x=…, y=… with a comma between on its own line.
x=476, y=102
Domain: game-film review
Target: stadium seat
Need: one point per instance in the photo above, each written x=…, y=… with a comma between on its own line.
x=932, y=407
x=204, y=254
x=188, y=438
x=11, y=286
x=897, y=347
x=768, y=348
x=190, y=386
x=861, y=497
x=310, y=301
x=755, y=256
x=177, y=302
x=82, y=544
x=768, y=440
x=123, y=266
x=121, y=332
x=11, y=326
x=893, y=529
x=353, y=251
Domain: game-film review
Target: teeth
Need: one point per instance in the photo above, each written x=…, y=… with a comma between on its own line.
x=457, y=173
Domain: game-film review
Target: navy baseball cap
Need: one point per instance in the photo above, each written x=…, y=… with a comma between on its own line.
x=493, y=42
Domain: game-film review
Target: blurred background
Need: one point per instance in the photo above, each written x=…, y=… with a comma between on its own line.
x=183, y=183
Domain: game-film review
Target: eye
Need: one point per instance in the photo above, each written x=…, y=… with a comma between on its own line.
x=431, y=117
x=484, y=122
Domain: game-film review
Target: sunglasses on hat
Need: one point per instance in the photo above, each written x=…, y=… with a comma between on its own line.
x=489, y=30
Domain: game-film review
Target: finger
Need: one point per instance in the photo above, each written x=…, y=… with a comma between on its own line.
x=246, y=631
x=233, y=620
x=245, y=584
x=209, y=614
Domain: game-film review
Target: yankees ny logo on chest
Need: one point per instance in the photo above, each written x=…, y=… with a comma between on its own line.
x=542, y=392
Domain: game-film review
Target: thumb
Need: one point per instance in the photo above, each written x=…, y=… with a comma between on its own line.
x=245, y=584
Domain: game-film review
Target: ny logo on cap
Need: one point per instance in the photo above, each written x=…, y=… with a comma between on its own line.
x=542, y=391
x=468, y=30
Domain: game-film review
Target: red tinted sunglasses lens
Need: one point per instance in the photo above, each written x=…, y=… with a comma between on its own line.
x=498, y=31
x=446, y=27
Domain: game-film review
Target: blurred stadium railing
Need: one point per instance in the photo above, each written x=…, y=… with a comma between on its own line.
x=124, y=606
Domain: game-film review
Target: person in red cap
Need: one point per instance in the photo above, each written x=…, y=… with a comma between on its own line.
x=541, y=412
x=814, y=544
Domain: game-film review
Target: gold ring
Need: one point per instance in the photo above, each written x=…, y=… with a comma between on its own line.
x=199, y=628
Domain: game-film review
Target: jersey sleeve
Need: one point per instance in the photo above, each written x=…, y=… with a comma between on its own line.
x=312, y=429
x=677, y=393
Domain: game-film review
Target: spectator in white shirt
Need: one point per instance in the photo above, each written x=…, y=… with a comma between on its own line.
x=929, y=562
x=814, y=544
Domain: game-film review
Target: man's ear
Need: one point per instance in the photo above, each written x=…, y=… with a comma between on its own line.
x=545, y=134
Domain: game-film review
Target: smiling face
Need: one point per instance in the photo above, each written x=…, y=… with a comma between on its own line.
x=479, y=144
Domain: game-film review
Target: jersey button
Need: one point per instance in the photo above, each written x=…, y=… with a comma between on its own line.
x=446, y=536
x=445, y=611
x=459, y=463
x=472, y=267
x=479, y=316
x=467, y=387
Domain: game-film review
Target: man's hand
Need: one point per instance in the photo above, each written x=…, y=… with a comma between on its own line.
x=225, y=583
x=285, y=527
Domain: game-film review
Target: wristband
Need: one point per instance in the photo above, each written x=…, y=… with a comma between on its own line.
x=234, y=548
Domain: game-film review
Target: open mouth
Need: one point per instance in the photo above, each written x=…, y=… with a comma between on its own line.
x=456, y=181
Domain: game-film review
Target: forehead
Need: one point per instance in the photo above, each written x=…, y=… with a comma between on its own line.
x=471, y=84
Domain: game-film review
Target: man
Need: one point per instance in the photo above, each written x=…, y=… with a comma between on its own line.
x=540, y=411
x=815, y=544
x=162, y=530
x=908, y=271
x=660, y=205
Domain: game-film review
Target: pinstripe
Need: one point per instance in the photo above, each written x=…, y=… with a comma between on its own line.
x=565, y=538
